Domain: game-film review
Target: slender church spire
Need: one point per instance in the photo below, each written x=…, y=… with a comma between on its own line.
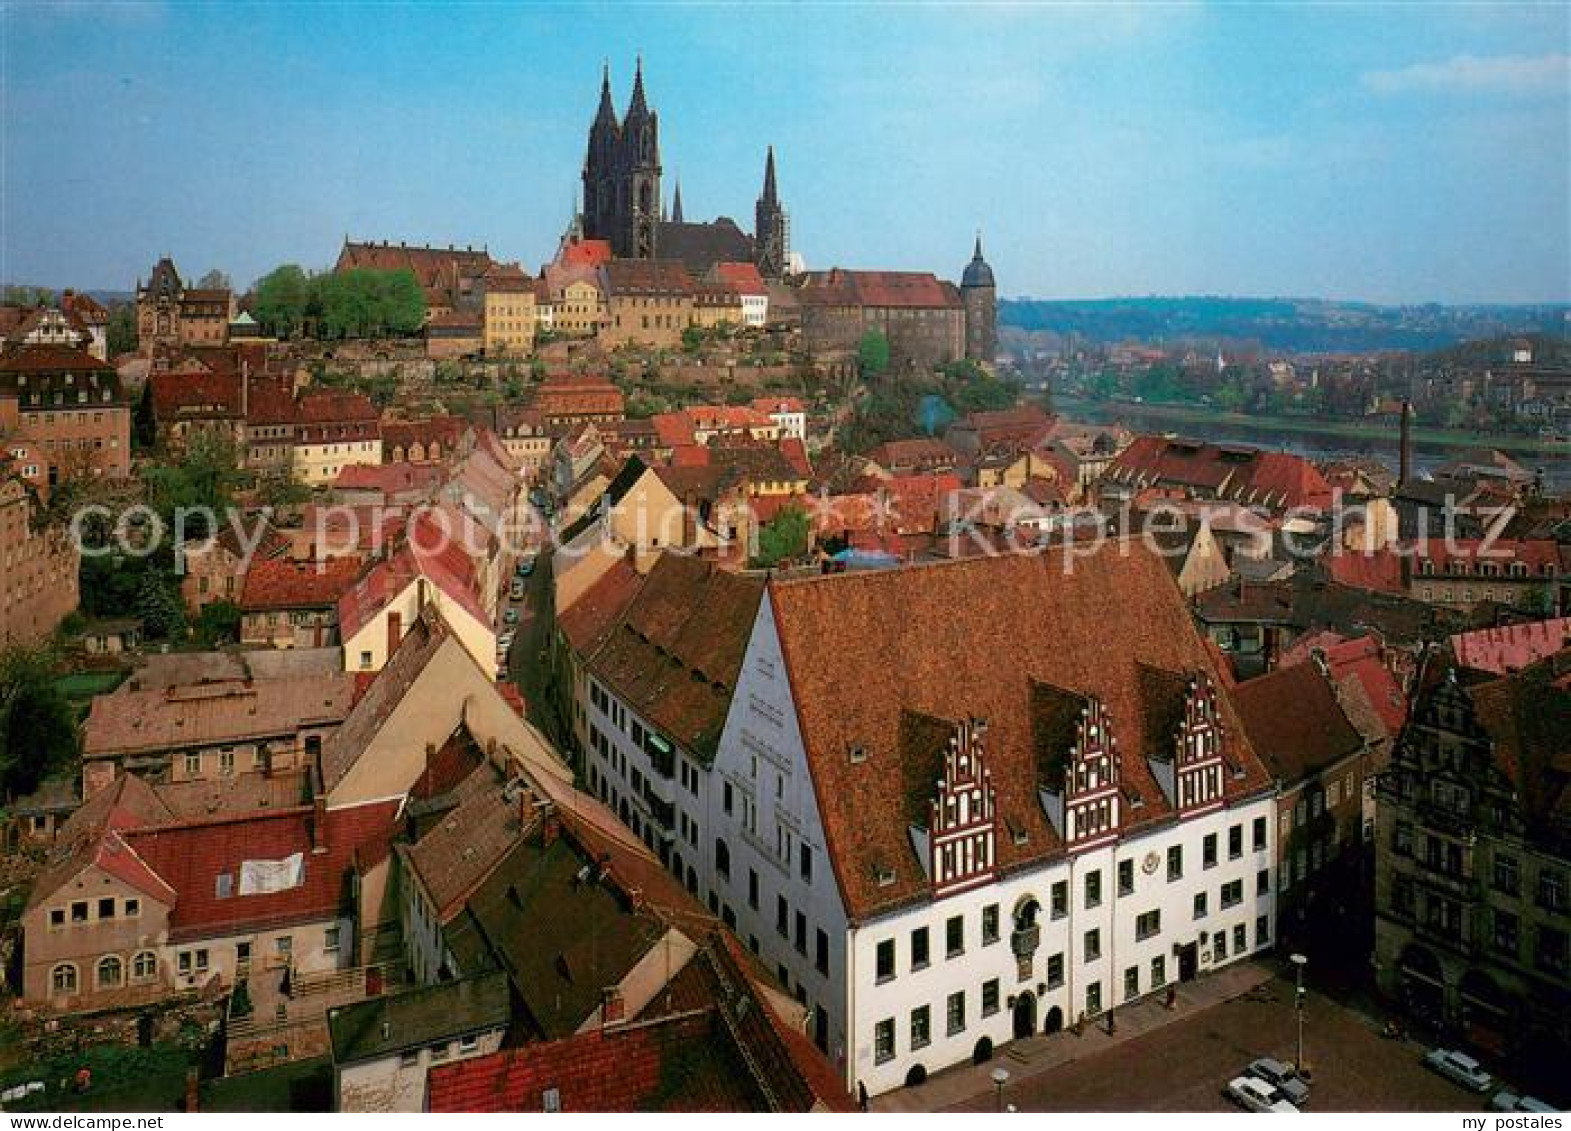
x=769, y=196
x=607, y=111
x=676, y=205
x=638, y=107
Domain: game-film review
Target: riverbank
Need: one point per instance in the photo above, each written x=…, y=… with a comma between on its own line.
x=1351, y=432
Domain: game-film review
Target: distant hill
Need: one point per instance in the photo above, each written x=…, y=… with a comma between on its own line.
x=1290, y=324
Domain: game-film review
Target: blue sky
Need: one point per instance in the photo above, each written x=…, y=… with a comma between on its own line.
x=1388, y=153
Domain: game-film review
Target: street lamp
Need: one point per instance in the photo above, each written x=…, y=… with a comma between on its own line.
x=1000, y=1078
x=1299, y=961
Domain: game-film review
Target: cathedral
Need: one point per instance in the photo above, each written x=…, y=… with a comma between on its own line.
x=623, y=204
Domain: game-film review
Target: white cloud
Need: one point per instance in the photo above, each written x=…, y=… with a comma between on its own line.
x=1498, y=74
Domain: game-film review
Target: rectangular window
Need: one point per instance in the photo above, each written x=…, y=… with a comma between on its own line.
x=886, y=960
x=954, y=936
x=79, y=911
x=821, y=953
x=884, y=1041
x=1259, y=839
x=782, y=917
x=330, y=939
x=1093, y=889
x=57, y=916
x=1131, y=983
x=106, y=908
x=1055, y=971
x=752, y=889
x=921, y=1027
x=1200, y=905
x=1126, y=877
x=1235, y=842
x=990, y=924
x=1208, y=851
x=1233, y=893
x=1148, y=924
x=990, y=997
x=919, y=955
x=1158, y=971
x=1093, y=944
x=1263, y=881
x=242, y=954
x=193, y=765
x=1240, y=939
x=1219, y=945
x=801, y=934
x=957, y=1013
x=283, y=944
x=725, y=794
x=1262, y=931
x=1060, y=899
x=1175, y=862
x=1506, y=875
x=1506, y=933
x=1093, y=999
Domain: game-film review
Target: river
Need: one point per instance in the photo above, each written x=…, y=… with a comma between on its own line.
x=1305, y=442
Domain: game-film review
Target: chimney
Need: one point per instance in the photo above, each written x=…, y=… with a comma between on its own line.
x=395, y=631
x=1405, y=464
x=319, y=824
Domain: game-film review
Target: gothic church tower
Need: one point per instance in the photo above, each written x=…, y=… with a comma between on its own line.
x=622, y=174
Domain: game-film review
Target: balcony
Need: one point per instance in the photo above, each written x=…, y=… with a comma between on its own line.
x=1023, y=941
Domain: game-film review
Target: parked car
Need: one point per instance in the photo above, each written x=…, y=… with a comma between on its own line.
x=516, y=592
x=1256, y=1095
x=1510, y=1101
x=526, y=567
x=1284, y=1079
x=510, y=617
x=503, y=643
x=1459, y=1068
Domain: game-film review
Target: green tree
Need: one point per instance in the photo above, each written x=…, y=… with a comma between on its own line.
x=214, y=280
x=218, y=623
x=281, y=297
x=144, y=423
x=122, y=336
x=692, y=339
x=784, y=537
x=28, y=296
x=872, y=353
x=38, y=734
x=163, y=616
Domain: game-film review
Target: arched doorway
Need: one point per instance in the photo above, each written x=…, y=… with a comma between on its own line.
x=916, y=1077
x=983, y=1052
x=1055, y=1020
x=1025, y=1015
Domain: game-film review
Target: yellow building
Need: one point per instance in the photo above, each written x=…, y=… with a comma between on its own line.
x=509, y=312
x=648, y=302
x=578, y=308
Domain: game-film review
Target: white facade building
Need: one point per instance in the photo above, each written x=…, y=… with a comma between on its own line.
x=930, y=884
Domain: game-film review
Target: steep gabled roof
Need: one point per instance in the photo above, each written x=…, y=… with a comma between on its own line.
x=973, y=639
x=1296, y=723
x=675, y=655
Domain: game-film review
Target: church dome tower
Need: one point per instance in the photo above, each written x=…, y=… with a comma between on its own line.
x=979, y=295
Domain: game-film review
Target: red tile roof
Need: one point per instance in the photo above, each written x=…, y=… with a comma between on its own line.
x=190, y=858
x=51, y=359
x=743, y=278
x=1242, y=474
x=283, y=583
x=389, y=478
x=1509, y=648
x=981, y=638
x=1296, y=723
x=195, y=395
x=431, y=549
x=584, y=253
x=589, y=619
x=889, y=289
x=628, y=1069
